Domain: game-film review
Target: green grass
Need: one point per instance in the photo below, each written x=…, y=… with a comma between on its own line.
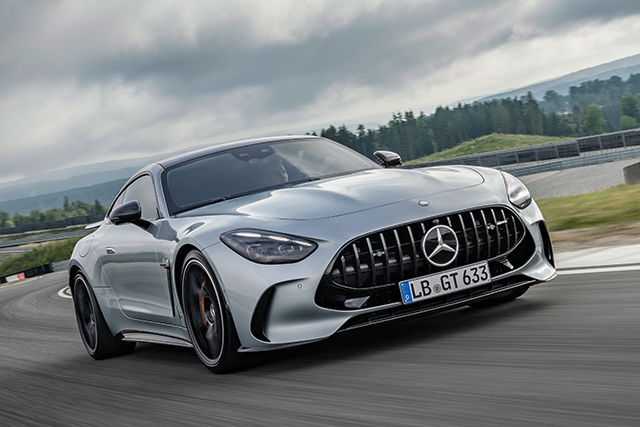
x=41, y=255
x=493, y=142
x=605, y=208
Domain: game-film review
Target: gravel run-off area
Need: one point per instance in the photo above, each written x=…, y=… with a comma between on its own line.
x=575, y=181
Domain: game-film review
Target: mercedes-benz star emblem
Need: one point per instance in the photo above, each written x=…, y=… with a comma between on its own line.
x=440, y=245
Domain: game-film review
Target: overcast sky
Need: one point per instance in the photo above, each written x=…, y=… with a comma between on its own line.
x=88, y=81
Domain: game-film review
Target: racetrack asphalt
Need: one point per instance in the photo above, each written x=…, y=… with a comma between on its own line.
x=566, y=353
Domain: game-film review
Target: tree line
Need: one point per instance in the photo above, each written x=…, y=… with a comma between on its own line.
x=594, y=107
x=36, y=216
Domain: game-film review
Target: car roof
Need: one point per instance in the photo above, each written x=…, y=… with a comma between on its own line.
x=171, y=161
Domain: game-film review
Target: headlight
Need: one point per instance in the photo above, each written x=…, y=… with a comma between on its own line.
x=266, y=247
x=518, y=193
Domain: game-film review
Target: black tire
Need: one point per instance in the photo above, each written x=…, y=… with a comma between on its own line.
x=96, y=336
x=502, y=297
x=208, y=320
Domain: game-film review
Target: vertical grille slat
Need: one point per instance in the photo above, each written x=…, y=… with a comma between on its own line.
x=356, y=262
x=400, y=254
x=486, y=232
x=387, y=267
x=515, y=229
x=475, y=231
x=506, y=227
x=392, y=255
x=414, y=254
x=495, y=222
x=345, y=277
x=456, y=262
x=372, y=262
x=466, y=239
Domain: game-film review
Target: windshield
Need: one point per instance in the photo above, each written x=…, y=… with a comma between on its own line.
x=254, y=168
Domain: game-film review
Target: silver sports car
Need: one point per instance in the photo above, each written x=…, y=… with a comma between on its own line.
x=269, y=243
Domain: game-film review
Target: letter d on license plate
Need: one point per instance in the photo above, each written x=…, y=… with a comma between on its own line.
x=446, y=282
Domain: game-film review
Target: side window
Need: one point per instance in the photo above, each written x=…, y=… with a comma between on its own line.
x=143, y=191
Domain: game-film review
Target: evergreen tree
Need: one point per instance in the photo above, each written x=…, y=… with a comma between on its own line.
x=533, y=116
x=630, y=107
x=553, y=102
x=594, y=122
x=566, y=126
x=5, y=220
x=627, y=122
x=97, y=207
x=19, y=219
x=329, y=133
x=555, y=115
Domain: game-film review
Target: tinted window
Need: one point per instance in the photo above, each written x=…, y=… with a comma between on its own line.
x=143, y=191
x=255, y=168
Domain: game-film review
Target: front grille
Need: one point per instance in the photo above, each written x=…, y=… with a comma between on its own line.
x=372, y=265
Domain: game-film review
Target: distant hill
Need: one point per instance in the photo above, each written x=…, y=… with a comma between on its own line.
x=31, y=190
x=622, y=68
x=105, y=192
x=78, y=176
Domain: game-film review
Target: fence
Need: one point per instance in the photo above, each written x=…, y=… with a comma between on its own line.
x=553, y=155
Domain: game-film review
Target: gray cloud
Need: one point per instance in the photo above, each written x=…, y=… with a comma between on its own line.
x=375, y=50
x=138, y=74
x=381, y=49
x=553, y=14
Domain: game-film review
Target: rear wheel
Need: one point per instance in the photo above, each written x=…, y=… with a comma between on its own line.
x=209, y=323
x=502, y=297
x=96, y=336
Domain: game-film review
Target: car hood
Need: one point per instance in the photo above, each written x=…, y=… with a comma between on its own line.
x=346, y=194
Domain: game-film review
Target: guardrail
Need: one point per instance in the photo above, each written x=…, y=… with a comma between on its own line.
x=28, y=273
x=553, y=155
x=54, y=267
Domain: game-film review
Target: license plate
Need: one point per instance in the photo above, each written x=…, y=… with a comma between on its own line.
x=446, y=282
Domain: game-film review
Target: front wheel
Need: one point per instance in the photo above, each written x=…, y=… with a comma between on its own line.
x=210, y=326
x=96, y=336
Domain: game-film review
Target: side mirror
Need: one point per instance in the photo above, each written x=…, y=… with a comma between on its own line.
x=127, y=212
x=388, y=159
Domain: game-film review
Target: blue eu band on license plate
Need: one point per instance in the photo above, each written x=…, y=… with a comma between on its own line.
x=446, y=282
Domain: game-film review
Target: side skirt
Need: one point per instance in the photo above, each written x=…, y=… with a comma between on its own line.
x=155, y=339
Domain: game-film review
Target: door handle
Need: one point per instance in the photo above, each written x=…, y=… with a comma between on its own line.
x=111, y=251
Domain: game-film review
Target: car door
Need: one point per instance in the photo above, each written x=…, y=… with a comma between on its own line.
x=130, y=259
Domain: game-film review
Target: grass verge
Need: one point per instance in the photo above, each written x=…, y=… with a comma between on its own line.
x=493, y=142
x=606, y=208
x=41, y=255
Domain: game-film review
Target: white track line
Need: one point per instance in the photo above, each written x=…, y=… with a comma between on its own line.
x=599, y=270
x=65, y=293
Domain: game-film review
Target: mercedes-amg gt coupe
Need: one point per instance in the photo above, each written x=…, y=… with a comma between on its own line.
x=269, y=243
